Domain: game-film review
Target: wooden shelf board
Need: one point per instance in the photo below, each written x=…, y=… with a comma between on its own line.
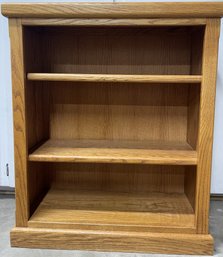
x=68, y=208
x=107, y=151
x=114, y=78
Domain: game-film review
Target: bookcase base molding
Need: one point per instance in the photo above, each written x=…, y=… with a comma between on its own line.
x=113, y=125
x=164, y=243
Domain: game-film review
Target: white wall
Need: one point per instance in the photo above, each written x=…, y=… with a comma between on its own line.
x=6, y=131
x=217, y=158
x=6, y=138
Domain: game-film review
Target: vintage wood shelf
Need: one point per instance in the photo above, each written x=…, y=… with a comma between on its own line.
x=114, y=78
x=113, y=122
x=110, y=151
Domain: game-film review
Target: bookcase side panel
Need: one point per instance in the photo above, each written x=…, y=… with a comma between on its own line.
x=20, y=144
x=205, y=138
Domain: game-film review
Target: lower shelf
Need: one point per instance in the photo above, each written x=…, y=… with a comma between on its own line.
x=71, y=209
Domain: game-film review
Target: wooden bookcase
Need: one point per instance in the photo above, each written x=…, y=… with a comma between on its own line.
x=113, y=121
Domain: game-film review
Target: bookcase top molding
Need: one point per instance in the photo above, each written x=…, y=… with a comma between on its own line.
x=114, y=10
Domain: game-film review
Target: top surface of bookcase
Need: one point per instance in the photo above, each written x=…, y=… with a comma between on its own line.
x=114, y=10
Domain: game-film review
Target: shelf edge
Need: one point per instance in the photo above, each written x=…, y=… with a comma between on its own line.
x=114, y=78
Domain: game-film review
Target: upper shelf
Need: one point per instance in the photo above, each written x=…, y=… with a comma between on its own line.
x=114, y=78
x=114, y=10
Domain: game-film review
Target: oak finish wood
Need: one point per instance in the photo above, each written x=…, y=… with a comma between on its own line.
x=113, y=121
x=115, y=50
x=206, y=123
x=94, y=105
x=114, y=78
x=71, y=207
x=20, y=136
x=114, y=10
x=112, y=22
x=112, y=240
x=190, y=185
x=113, y=227
x=119, y=177
x=37, y=125
x=114, y=152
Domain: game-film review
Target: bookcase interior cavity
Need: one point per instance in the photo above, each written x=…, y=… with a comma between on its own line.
x=105, y=196
x=115, y=50
x=108, y=147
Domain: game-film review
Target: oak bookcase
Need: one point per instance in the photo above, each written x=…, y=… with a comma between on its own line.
x=113, y=121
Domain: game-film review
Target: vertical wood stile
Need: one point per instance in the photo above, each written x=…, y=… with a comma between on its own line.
x=20, y=146
x=209, y=68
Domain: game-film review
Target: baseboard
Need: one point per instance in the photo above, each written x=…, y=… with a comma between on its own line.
x=11, y=191
x=117, y=241
x=217, y=197
x=7, y=190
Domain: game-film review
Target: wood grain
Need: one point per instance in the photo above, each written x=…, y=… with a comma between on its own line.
x=113, y=112
x=193, y=113
x=113, y=22
x=114, y=10
x=115, y=50
x=38, y=184
x=70, y=207
x=112, y=241
x=108, y=112
x=205, y=139
x=114, y=78
x=20, y=133
x=113, y=227
x=110, y=152
x=128, y=178
x=194, y=92
x=190, y=178
x=37, y=96
x=37, y=119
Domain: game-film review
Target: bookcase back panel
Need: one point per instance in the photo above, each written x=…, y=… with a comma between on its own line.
x=119, y=177
x=128, y=112
x=115, y=50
